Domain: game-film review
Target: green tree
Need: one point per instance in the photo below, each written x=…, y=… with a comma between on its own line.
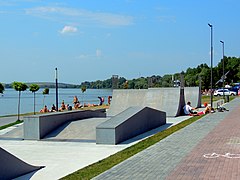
x=232, y=64
x=45, y=92
x=19, y=86
x=191, y=77
x=131, y=84
x=1, y=88
x=166, y=80
x=141, y=83
x=205, y=77
x=34, y=88
x=83, y=89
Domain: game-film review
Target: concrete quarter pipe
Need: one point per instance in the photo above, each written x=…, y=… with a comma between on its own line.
x=169, y=100
x=12, y=167
x=193, y=94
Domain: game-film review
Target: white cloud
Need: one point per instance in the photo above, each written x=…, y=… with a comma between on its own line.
x=80, y=16
x=68, y=29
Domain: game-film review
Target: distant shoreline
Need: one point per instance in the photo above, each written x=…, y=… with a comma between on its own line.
x=47, y=85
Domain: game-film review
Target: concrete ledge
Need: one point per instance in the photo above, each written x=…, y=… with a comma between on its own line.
x=36, y=127
x=130, y=123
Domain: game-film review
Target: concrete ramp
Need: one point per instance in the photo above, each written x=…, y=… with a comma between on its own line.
x=77, y=131
x=193, y=94
x=128, y=124
x=169, y=100
x=123, y=99
x=12, y=167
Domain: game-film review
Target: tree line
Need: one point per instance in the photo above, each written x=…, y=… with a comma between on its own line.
x=191, y=77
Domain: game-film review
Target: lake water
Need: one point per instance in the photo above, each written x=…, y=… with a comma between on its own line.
x=9, y=99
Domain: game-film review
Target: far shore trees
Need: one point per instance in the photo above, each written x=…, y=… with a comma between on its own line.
x=34, y=88
x=191, y=77
x=19, y=86
x=1, y=88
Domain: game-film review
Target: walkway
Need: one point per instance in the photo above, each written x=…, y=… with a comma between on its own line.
x=7, y=120
x=64, y=155
x=199, y=151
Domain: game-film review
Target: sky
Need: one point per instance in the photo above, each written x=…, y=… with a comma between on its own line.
x=93, y=40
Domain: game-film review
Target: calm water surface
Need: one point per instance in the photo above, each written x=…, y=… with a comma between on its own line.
x=9, y=99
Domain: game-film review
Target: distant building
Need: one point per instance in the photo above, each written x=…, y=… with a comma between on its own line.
x=114, y=81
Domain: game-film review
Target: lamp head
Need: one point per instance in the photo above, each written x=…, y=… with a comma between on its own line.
x=221, y=42
x=209, y=25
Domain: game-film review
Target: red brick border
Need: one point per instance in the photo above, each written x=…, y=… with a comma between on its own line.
x=224, y=138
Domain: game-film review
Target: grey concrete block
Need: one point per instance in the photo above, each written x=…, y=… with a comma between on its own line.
x=128, y=124
x=36, y=127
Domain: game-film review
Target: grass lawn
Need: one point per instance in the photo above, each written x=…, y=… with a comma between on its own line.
x=11, y=124
x=215, y=98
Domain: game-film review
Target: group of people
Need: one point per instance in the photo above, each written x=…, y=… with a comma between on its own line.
x=45, y=109
x=189, y=110
x=76, y=105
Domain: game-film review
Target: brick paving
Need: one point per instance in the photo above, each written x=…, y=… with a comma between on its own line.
x=225, y=138
x=181, y=155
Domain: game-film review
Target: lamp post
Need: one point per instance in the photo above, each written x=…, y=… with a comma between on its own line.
x=211, y=28
x=223, y=77
x=56, y=74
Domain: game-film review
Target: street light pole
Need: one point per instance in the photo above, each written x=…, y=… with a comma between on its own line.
x=223, y=66
x=211, y=28
x=56, y=89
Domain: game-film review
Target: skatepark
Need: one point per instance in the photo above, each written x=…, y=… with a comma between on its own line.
x=85, y=139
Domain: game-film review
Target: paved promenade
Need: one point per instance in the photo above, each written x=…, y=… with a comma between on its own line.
x=7, y=120
x=64, y=155
x=206, y=149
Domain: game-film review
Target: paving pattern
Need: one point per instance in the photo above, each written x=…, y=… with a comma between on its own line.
x=181, y=155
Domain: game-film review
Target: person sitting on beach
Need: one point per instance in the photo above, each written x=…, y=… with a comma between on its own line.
x=188, y=109
x=53, y=109
x=69, y=108
x=45, y=109
x=66, y=106
x=101, y=100
x=63, y=107
x=109, y=100
x=76, y=103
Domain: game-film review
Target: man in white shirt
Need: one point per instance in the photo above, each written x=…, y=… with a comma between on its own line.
x=188, y=109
